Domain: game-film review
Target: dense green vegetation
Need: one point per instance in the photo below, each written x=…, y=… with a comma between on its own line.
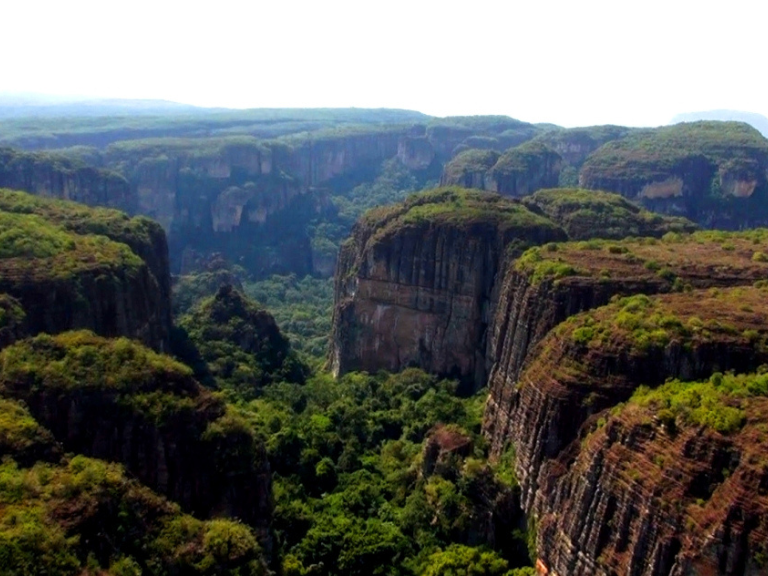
x=456, y=206
x=655, y=153
x=717, y=403
x=44, y=132
x=357, y=489
x=586, y=214
x=240, y=344
x=301, y=307
x=86, y=516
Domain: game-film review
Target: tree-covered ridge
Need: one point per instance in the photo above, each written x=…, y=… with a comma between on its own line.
x=651, y=154
x=588, y=214
x=240, y=344
x=81, y=219
x=459, y=207
x=43, y=132
x=32, y=247
x=85, y=516
x=117, y=400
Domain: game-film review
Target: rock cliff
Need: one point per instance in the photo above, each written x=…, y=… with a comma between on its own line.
x=415, y=283
x=118, y=401
x=55, y=176
x=714, y=173
x=586, y=214
x=517, y=172
x=549, y=284
x=655, y=488
x=70, y=267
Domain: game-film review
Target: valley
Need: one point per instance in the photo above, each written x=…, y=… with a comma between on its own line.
x=347, y=342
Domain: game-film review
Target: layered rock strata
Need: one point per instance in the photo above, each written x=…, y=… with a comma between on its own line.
x=415, y=283
x=658, y=493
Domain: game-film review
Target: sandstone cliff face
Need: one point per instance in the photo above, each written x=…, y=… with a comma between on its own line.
x=104, y=271
x=628, y=498
x=589, y=521
x=517, y=172
x=415, y=284
x=57, y=177
x=713, y=173
x=545, y=287
x=114, y=400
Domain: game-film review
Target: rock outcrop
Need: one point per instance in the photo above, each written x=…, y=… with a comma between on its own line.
x=549, y=284
x=586, y=214
x=619, y=491
x=73, y=267
x=714, y=173
x=118, y=401
x=517, y=172
x=55, y=176
x=415, y=283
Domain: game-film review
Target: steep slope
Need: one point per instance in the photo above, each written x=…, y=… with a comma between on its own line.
x=713, y=173
x=56, y=176
x=549, y=284
x=415, y=283
x=586, y=214
x=517, y=172
x=116, y=400
x=75, y=267
x=757, y=121
x=635, y=495
x=81, y=516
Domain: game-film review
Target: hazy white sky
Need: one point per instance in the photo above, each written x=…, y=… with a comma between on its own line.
x=567, y=62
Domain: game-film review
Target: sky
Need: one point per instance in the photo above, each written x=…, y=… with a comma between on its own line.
x=572, y=63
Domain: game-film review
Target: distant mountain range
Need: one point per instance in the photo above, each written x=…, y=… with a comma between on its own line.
x=759, y=121
x=17, y=105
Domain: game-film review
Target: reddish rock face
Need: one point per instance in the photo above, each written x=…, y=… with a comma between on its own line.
x=619, y=491
x=421, y=291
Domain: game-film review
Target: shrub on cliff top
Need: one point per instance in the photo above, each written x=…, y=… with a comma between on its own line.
x=586, y=214
x=717, y=403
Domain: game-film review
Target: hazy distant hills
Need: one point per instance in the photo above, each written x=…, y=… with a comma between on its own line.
x=18, y=105
x=759, y=121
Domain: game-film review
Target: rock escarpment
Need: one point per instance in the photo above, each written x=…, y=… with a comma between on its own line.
x=415, y=283
x=56, y=176
x=586, y=214
x=517, y=172
x=75, y=267
x=118, y=401
x=669, y=484
x=549, y=284
x=714, y=173
x=418, y=283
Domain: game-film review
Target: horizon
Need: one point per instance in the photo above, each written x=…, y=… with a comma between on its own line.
x=591, y=64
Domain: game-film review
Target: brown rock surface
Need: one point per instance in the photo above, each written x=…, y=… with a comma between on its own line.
x=415, y=283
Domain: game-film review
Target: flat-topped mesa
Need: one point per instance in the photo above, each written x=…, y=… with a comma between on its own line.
x=711, y=172
x=586, y=214
x=676, y=491
x=56, y=176
x=119, y=401
x=517, y=172
x=415, y=283
x=588, y=521
x=548, y=284
x=70, y=266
